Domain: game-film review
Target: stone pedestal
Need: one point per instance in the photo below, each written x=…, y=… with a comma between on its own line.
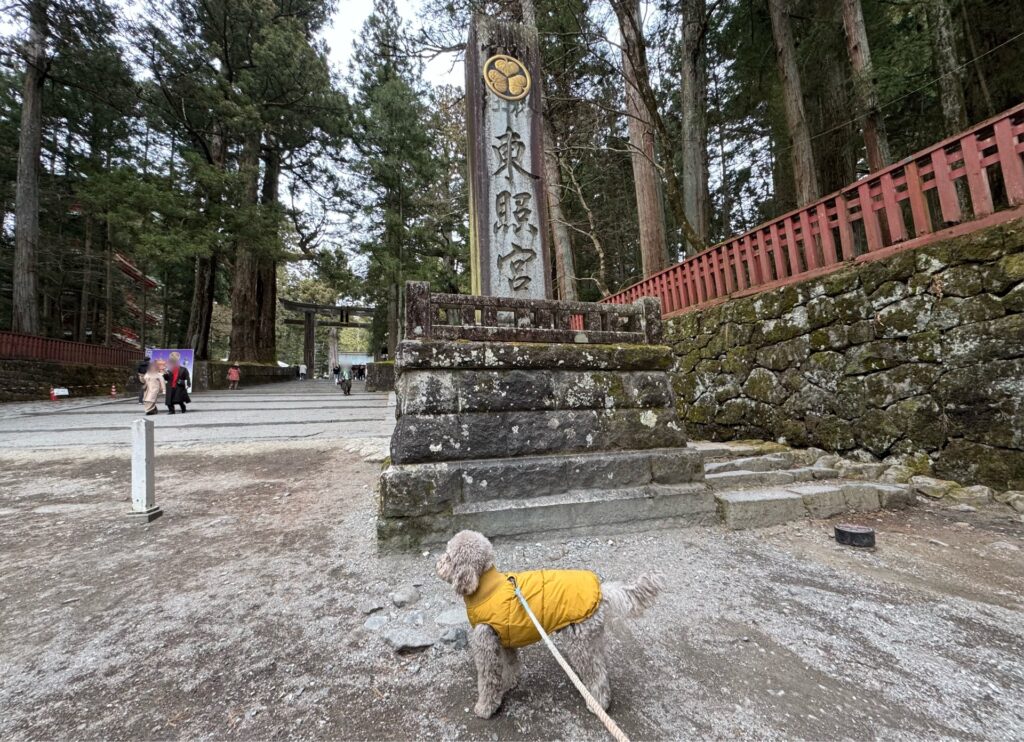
x=517, y=438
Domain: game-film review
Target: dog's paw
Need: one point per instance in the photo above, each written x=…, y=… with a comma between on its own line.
x=485, y=710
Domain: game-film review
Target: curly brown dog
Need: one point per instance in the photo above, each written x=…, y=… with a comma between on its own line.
x=572, y=603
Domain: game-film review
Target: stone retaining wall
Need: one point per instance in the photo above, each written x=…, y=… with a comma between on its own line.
x=22, y=381
x=920, y=351
x=213, y=374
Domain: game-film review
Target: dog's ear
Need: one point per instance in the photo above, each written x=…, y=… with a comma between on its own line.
x=465, y=579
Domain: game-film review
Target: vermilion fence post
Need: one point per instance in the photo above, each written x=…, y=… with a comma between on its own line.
x=1009, y=161
x=918, y=205
x=977, y=179
x=893, y=213
x=949, y=202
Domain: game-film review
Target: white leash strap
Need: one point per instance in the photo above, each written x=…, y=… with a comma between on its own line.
x=592, y=704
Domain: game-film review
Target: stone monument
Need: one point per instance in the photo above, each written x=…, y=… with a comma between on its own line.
x=508, y=211
x=518, y=414
x=527, y=426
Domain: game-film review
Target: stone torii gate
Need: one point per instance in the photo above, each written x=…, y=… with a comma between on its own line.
x=309, y=322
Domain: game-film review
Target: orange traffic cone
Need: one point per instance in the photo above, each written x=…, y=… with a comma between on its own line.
x=113, y=391
x=53, y=395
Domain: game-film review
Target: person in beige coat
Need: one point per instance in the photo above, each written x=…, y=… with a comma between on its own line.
x=153, y=386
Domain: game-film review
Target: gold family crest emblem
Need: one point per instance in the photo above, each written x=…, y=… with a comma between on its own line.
x=507, y=77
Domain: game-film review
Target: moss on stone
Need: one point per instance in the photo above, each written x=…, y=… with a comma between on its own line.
x=763, y=385
x=1012, y=266
x=961, y=280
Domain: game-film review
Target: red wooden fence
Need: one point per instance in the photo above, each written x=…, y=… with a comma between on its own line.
x=32, y=348
x=969, y=181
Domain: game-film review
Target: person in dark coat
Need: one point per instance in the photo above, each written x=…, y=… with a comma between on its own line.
x=141, y=371
x=177, y=379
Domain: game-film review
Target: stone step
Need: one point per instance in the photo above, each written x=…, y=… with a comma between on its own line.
x=744, y=478
x=763, y=462
x=582, y=511
x=419, y=489
x=725, y=450
x=756, y=508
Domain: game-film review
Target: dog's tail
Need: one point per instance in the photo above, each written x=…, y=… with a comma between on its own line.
x=628, y=600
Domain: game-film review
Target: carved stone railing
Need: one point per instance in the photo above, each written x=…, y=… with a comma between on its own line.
x=431, y=316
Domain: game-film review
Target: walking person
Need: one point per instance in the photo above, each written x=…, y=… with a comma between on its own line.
x=141, y=370
x=346, y=382
x=234, y=376
x=177, y=379
x=337, y=373
x=302, y=372
x=153, y=386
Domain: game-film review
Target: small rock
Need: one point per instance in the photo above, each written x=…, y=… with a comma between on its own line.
x=375, y=622
x=936, y=542
x=452, y=617
x=404, y=596
x=931, y=487
x=1005, y=497
x=828, y=461
x=371, y=605
x=976, y=495
x=414, y=619
x=963, y=508
x=426, y=553
x=405, y=640
x=897, y=474
x=456, y=636
x=1004, y=546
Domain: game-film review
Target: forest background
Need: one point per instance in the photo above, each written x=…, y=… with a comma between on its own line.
x=239, y=151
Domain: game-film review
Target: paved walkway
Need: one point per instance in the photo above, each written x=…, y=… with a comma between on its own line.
x=283, y=411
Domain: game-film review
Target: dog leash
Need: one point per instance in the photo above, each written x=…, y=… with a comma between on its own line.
x=592, y=704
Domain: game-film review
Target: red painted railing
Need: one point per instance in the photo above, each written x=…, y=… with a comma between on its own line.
x=964, y=183
x=31, y=348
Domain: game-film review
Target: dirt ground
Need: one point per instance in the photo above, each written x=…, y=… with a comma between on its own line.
x=239, y=614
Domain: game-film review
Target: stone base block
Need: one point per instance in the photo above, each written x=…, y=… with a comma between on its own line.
x=429, y=488
x=146, y=516
x=578, y=512
x=757, y=508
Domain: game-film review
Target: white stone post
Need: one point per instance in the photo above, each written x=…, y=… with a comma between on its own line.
x=144, y=505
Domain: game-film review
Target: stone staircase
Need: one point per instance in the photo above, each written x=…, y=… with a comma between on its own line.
x=743, y=486
x=760, y=484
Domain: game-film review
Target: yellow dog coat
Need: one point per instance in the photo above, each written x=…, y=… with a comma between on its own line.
x=556, y=597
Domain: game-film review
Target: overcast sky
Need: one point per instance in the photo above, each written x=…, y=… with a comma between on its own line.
x=349, y=17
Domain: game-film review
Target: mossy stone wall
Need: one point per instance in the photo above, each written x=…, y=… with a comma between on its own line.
x=31, y=380
x=921, y=351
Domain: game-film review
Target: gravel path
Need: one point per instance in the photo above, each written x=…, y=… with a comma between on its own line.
x=240, y=614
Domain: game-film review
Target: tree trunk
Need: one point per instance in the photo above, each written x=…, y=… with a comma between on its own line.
x=245, y=275
x=108, y=317
x=145, y=308
x=695, y=123
x=201, y=313
x=83, y=317
x=393, y=300
x=266, y=331
x=646, y=181
x=565, y=265
x=332, y=349
x=804, y=175
x=25, y=310
x=989, y=106
x=830, y=110
x=947, y=64
x=875, y=140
